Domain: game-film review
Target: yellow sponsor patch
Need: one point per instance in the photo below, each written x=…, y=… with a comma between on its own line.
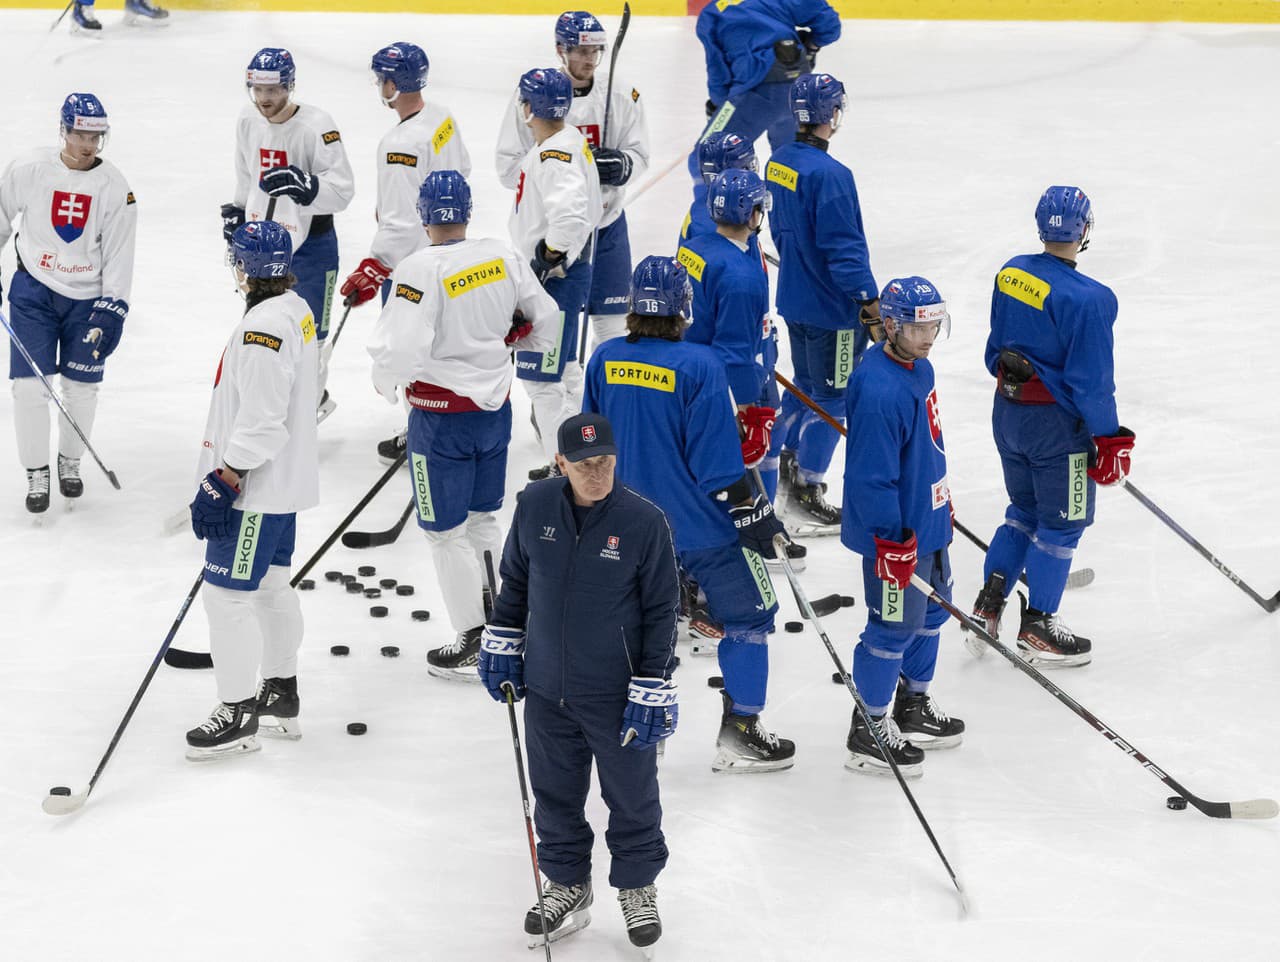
x=692, y=262
x=777, y=173
x=640, y=375
x=1021, y=286
x=635, y=94
x=331, y=136
x=477, y=275
x=410, y=294
x=129, y=199
x=308, y=326
x=684, y=228
x=561, y=155
x=408, y=160
x=263, y=340
x=443, y=134
x=723, y=5
x=586, y=151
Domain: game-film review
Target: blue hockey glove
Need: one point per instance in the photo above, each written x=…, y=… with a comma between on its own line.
x=502, y=661
x=613, y=166
x=232, y=217
x=211, y=509
x=651, y=713
x=106, y=323
x=291, y=181
x=546, y=263
x=757, y=524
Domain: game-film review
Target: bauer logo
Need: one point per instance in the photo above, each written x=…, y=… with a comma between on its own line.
x=560, y=155
x=331, y=136
x=410, y=294
x=263, y=340
x=692, y=262
x=1024, y=287
x=477, y=275
x=640, y=375
x=443, y=134
x=405, y=160
x=782, y=175
x=1077, y=486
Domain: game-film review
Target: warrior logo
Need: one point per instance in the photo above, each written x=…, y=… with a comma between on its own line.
x=70, y=214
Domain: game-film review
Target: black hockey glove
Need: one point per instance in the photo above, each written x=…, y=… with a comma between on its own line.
x=292, y=182
x=613, y=165
x=232, y=217
x=757, y=524
x=712, y=109
x=547, y=263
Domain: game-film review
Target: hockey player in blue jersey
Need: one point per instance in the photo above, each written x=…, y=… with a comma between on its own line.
x=897, y=515
x=677, y=438
x=1055, y=424
x=137, y=13
x=754, y=50
x=717, y=153
x=826, y=292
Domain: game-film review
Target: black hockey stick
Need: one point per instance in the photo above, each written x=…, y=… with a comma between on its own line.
x=1253, y=808
x=65, y=804
x=62, y=15
x=177, y=658
x=26, y=355
x=1268, y=604
x=271, y=208
x=376, y=539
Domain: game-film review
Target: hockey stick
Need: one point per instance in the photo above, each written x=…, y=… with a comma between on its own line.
x=61, y=16
x=1077, y=579
x=1268, y=604
x=1253, y=808
x=61, y=804
x=332, y=342
x=376, y=539
x=22, y=349
x=177, y=658
x=271, y=209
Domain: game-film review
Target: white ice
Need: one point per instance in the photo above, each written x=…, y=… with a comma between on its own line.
x=408, y=843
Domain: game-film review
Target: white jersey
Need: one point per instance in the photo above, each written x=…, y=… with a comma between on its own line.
x=450, y=308
x=429, y=140
x=262, y=417
x=309, y=140
x=557, y=196
x=78, y=226
x=628, y=133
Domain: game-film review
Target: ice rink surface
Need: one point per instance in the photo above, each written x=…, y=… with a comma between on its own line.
x=408, y=843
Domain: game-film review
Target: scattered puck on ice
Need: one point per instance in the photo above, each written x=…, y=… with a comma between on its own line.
x=404, y=590
x=715, y=681
x=357, y=728
x=60, y=790
x=347, y=579
x=388, y=583
x=846, y=601
x=306, y=584
x=378, y=611
x=373, y=592
x=366, y=571
x=354, y=587
x=420, y=614
x=794, y=627
x=339, y=650
x=836, y=679
x=333, y=576
x=1176, y=802
x=390, y=651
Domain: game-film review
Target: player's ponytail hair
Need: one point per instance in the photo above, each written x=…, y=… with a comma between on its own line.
x=264, y=288
x=668, y=328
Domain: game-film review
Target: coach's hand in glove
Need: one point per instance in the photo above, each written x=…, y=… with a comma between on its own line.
x=651, y=713
x=211, y=509
x=501, y=663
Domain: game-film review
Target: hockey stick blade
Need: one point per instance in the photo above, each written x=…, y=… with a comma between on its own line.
x=376, y=539
x=178, y=658
x=64, y=804
x=1080, y=579
x=826, y=605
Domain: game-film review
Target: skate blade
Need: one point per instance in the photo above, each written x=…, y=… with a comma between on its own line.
x=931, y=743
x=465, y=675
x=865, y=765
x=973, y=644
x=703, y=646
x=1042, y=659
x=324, y=410
x=146, y=23
x=286, y=729
x=798, y=528
x=727, y=763
x=797, y=565
x=573, y=922
x=242, y=746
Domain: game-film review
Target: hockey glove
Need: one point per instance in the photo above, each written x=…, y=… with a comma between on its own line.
x=757, y=524
x=869, y=316
x=712, y=109
x=896, y=561
x=211, y=509
x=365, y=281
x=756, y=425
x=232, y=217
x=613, y=166
x=1111, y=463
x=106, y=323
x=547, y=263
x=520, y=328
x=651, y=713
x=502, y=661
x=292, y=182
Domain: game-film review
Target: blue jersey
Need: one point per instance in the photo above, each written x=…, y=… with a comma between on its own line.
x=698, y=221
x=675, y=428
x=738, y=37
x=1061, y=321
x=730, y=309
x=816, y=225
x=895, y=472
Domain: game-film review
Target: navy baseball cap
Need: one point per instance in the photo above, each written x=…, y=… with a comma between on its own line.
x=586, y=436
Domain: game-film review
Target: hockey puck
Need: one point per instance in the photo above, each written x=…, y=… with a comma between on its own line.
x=794, y=627
x=306, y=584
x=366, y=571
x=837, y=678
x=357, y=728
x=378, y=611
x=404, y=590
x=846, y=601
x=354, y=587
x=339, y=650
x=420, y=614
x=1176, y=802
x=347, y=579
x=59, y=790
x=373, y=592
x=388, y=583
x=390, y=651
x=715, y=681
x=333, y=576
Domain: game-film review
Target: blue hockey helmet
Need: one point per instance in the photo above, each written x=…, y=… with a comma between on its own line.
x=444, y=198
x=84, y=112
x=815, y=98
x=724, y=150
x=577, y=28
x=548, y=92
x=914, y=300
x=1064, y=215
x=735, y=195
x=404, y=64
x=660, y=288
x=271, y=66
x=262, y=248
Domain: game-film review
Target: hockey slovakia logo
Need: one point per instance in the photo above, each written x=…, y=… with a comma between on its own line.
x=589, y=433
x=935, y=420
x=270, y=158
x=70, y=214
x=613, y=542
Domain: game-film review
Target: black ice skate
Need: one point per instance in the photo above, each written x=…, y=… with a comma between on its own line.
x=457, y=660
x=83, y=21
x=38, y=489
x=640, y=910
x=232, y=729
x=1046, y=642
x=568, y=909
x=69, y=482
x=865, y=755
x=143, y=13
x=277, y=708
x=922, y=722
x=544, y=472
x=796, y=554
x=987, y=609
x=809, y=513
x=744, y=745
x=391, y=449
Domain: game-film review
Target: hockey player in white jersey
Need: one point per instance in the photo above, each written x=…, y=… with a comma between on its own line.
x=457, y=308
x=426, y=137
x=258, y=467
x=557, y=207
x=580, y=43
x=69, y=297
x=292, y=154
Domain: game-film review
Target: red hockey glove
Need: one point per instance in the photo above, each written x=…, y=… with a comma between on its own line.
x=896, y=561
x=1111, y=464
x=520, y=328
x=757, y=428
x=365, y=281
